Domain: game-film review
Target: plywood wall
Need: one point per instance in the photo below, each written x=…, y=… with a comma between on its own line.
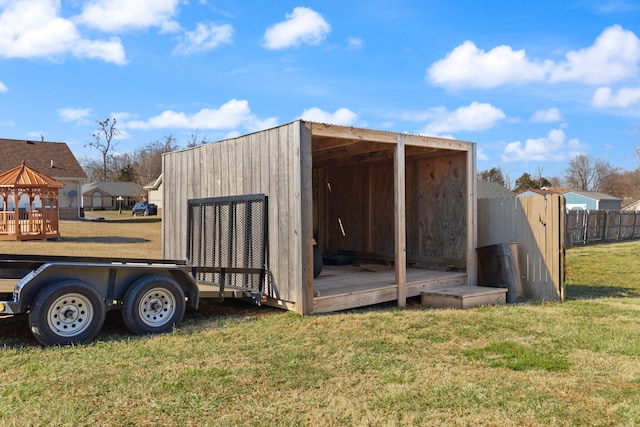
x=358, y=201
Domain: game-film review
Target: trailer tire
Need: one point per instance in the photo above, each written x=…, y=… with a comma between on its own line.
x=153, y=304
x=67, y=312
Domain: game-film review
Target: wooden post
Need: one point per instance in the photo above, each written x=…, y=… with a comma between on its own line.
x=305, y=297
x=472, y=227
x=400, y=222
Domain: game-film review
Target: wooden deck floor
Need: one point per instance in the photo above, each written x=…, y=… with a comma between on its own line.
x=352, y=286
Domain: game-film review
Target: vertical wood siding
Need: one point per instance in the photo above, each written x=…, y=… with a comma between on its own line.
x=537, y=223
x=260, y=163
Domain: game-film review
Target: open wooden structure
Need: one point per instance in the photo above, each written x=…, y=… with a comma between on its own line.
x=33, y=199
x=405, y=204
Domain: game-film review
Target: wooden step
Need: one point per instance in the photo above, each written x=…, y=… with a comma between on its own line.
x=464, y=297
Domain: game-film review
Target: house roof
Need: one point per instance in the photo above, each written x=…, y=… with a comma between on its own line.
x=125, y=189
x=53, y=158
x=595, y=195
x=539, y=191
x=559, y=190
x=24, y=177
x=546, y=190
x=493, y=190
x=155, y=184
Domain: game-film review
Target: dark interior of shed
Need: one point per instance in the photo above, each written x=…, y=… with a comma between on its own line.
x=353, y=202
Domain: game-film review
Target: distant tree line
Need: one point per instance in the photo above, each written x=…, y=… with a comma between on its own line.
x=142, y=166
x=582, y=173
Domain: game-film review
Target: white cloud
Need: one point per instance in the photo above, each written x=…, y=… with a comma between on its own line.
x=603, y=97
x=613, y=57
x=355, y=43
x=474, y=117
x=79, y=115
x=231, y=115
x=123, y=15
x=33, y=29
x=303, y=25
x=342, y=116
x=110, y=51
x=481, y=154
x=553, y=147
x=549, y=115
x=204, y=38
x=466, y=65
x=3, y=88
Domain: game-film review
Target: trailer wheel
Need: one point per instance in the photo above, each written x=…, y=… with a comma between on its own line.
x=153, y=304
x=67, y=312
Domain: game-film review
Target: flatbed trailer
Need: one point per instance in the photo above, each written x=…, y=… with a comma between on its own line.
x=66, y=297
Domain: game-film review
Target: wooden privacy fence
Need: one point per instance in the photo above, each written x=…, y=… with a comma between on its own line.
x=538, y=225
x=590, y=226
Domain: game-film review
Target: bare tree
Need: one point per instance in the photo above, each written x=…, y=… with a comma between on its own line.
x=148, y=159
x=195, y=140
x=122, y=167
x=586, y=173
x=105, y=142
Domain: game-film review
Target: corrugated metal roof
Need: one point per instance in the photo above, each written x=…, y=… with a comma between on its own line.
x=24, y=177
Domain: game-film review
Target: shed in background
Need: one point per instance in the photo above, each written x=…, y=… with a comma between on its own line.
x=591, y=200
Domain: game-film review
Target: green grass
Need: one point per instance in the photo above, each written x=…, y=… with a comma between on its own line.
x=117, y=235
x=571, y=363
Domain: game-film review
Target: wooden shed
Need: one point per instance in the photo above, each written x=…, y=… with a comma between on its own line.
x=402, y=205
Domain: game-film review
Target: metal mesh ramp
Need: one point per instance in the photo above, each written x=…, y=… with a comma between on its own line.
x=227, y=242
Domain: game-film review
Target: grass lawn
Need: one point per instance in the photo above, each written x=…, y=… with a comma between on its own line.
x=572, y=363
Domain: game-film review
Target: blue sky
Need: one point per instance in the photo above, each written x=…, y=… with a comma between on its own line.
x=532, y=83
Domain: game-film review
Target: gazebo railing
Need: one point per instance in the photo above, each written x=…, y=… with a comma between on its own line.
x=29, y=223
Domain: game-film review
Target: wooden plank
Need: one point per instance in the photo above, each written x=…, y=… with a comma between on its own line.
x=471, y=225
x=355, y=134
x=400, y=225
x=345, y=287
x=305, y=201
x=462, y=297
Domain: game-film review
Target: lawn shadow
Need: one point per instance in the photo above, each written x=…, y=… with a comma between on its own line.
x=105, y=240
x=125, y=220
x=574, y=292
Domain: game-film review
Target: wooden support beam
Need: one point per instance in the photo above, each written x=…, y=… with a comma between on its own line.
x=400, y=224
x=472, y=228
x=305, y=296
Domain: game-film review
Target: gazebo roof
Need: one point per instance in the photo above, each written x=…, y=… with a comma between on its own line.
x=24, y=177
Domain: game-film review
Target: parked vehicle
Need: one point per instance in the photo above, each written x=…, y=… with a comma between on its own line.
x=144, y=209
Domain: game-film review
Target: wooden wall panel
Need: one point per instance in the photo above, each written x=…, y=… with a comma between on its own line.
x=265, y=162
x=441, y=206
x=381, y=205
x=537, y=224
x=346, y=204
